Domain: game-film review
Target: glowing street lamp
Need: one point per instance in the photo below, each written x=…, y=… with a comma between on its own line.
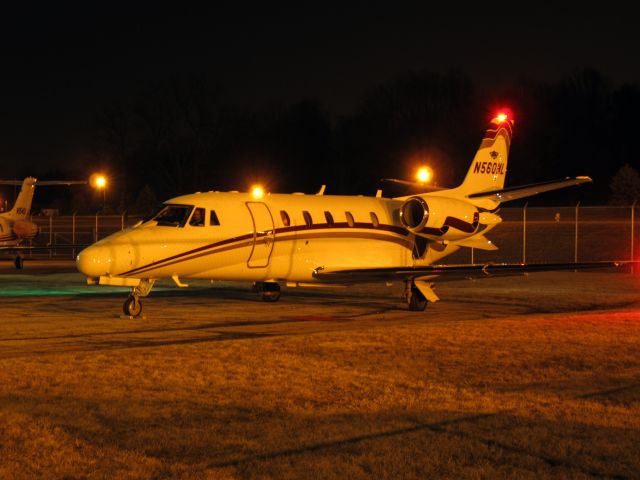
x=99, y=181
x=424, y=174
x=257, y=192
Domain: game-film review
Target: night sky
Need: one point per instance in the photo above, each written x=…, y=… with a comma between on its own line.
x=63, y=65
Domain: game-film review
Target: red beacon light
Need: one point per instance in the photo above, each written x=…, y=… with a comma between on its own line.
x=501, y=117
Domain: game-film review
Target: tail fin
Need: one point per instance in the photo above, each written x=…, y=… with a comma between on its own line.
x=22, y=207
x=489, y=167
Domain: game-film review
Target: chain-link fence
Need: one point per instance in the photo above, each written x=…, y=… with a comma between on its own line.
x=527, y=234
x=64, y=230
x=559, y=234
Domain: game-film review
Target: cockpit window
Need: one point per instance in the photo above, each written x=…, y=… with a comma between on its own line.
x=172, y=215
x=197, y=219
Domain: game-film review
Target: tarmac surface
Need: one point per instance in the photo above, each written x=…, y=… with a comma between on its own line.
x=533, y=376
x=31, y=291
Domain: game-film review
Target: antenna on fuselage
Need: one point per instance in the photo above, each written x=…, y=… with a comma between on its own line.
x=321, y=191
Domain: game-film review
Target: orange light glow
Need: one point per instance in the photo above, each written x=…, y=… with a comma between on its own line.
x=257, y=191
x=501, y=117
x=98, y=181
x=424, y=174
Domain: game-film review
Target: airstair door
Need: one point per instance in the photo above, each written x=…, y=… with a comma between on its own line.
x=263, y=235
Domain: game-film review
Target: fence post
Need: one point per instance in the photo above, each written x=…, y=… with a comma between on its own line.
x=122, y=221
x=575, y=253
x=50, y=234
x=633, y=217
x=73, y=235
x=95, y=236
x=524, y=234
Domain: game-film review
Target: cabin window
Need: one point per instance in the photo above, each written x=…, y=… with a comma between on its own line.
x=307, y=218
x=286, y=221
x=172, y=215
x=329, y=218
x=350, y=220
x=213, y=218
x=374, y=220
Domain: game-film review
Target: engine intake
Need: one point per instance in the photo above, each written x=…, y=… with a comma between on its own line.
x=414, y=213
x=25, y=229
x=439, y=217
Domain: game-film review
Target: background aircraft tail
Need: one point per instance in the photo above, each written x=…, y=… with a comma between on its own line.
x=22, y=208
x=489, y=167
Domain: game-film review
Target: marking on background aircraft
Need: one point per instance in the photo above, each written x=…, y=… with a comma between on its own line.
x=305, y=240
x=16, y=226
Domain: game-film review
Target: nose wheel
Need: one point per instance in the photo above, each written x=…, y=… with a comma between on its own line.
x=132, y=306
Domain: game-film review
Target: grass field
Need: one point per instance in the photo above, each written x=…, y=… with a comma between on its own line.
x=525, y=378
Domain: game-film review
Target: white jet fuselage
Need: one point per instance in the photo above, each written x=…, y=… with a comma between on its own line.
x=280, y=237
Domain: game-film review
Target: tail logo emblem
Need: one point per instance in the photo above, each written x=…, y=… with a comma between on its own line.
x=494, y=154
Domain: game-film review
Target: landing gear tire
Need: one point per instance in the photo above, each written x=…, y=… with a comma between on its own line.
x=132, y=306
x=417, y=301
x=270, y=292
x=19, y=262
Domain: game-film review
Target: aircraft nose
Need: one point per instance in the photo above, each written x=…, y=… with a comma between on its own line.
x=95, y=261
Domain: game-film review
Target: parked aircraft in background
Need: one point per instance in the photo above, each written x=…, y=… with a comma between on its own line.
x=16, y=228
x=314, y=239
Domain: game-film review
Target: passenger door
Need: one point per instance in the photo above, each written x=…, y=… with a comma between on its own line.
x=263, y=235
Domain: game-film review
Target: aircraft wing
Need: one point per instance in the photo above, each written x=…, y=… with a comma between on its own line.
x=514, y=193
x=43, y=248
x=45, y=182
x=452, y=272
x=423, y=188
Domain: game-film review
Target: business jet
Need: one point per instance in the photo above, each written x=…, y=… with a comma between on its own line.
x=16, y=228
x=304, y=240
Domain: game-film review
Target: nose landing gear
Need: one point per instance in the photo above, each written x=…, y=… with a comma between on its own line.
x=132, y=306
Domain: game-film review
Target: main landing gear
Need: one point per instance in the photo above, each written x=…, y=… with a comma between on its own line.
x=416, y=301
x=270, y=291
x=19, y=262
x=132, y=306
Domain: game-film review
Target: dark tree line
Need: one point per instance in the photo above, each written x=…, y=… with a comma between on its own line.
x=184, y=136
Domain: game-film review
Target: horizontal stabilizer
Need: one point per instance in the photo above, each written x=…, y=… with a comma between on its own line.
x=514, y=193
x=477, y=241
x=453, y=272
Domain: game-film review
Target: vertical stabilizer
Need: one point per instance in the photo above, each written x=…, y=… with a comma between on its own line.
x=22, y=207
x=489, y=167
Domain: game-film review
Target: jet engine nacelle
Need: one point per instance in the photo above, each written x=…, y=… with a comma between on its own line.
x=439, y=218
x=25, y=229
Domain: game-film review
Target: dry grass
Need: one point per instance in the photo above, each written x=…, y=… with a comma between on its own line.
x=318, y=386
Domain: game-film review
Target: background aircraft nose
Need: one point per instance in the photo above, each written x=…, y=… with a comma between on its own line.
x=95, y=261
